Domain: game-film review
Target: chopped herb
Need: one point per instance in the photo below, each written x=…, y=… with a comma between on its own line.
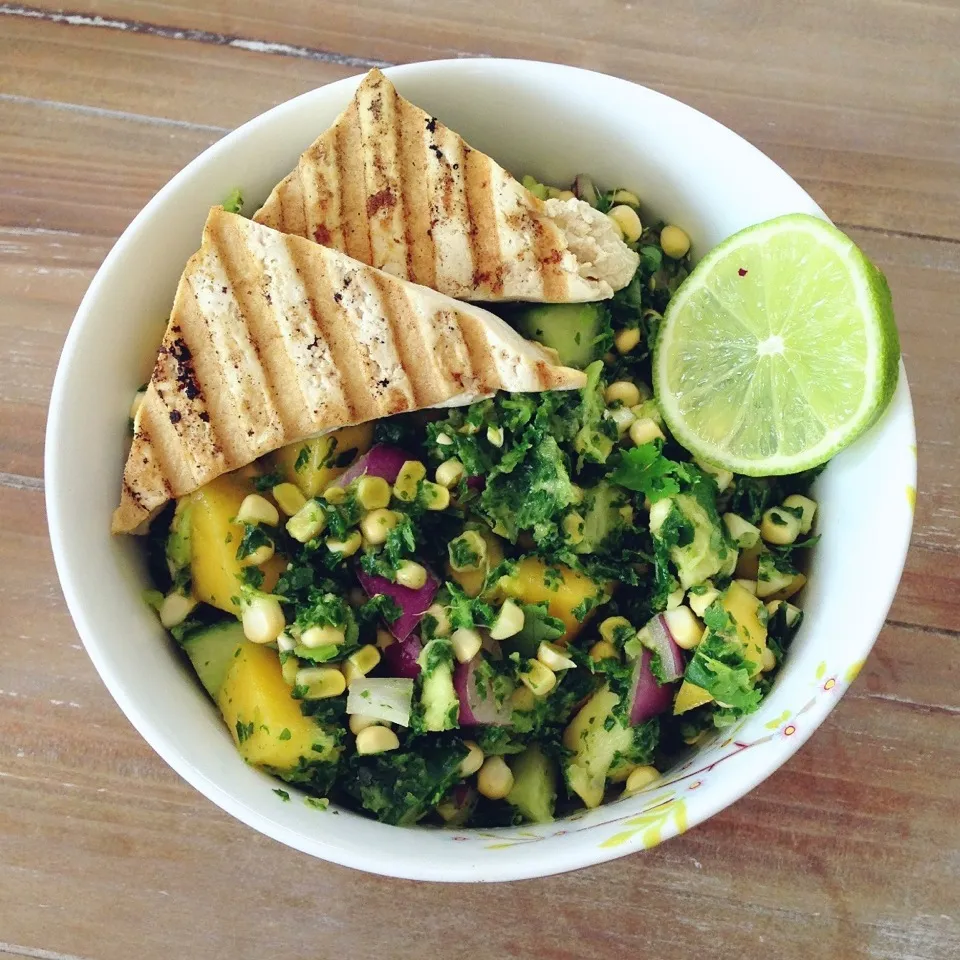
x=282, y=794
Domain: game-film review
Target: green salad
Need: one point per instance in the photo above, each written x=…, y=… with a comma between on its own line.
x=494, y=613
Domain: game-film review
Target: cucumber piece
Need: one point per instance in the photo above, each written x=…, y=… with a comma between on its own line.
x=212, y=652
x=178, y=548
x=572, y=329
x=534, y=790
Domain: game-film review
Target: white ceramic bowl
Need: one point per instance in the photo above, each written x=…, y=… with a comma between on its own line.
x=552, y=121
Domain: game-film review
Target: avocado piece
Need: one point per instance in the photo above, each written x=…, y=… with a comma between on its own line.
x=600, y=741
x=178, y=548
x=534, y=790
x=439, y=703
x=601, y=516
x=695, y=538
x=572, y=329
x=212, y=652
x=538, y=189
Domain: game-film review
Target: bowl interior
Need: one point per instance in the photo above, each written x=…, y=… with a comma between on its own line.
x=554, y=122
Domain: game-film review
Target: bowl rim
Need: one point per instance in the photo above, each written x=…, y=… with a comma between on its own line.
x=552, y=857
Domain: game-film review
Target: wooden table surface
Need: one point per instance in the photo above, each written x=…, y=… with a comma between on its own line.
x=849, y=851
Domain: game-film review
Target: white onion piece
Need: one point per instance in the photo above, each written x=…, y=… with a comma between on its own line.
x=381, y=698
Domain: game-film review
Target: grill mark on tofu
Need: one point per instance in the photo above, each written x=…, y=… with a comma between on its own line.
x=421, y=250
x=401, y=325
x=377, y=114
x=234, y=340
x=338, y=360
x=483, y=376
x=348, y=157
x=484, y=238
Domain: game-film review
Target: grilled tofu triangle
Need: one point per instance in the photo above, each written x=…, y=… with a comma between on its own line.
x=274, y=339
x=393, y=187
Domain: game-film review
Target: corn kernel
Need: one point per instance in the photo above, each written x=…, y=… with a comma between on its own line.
x=263, y=620
x=641, y=777
x=289, y=670
x=792, y=613
x=566, y=195
x=743, y=533
x=610, y=627
x=675, y=598
x=321, y=682
x=623, y=417
x=308, y=522
x=286, y=642
x=260, y=555
x=538, y=678
x=358, y=722
x=522, y=700
x=136, y=403
x=495, y=436
x=554, y=657
x=779, y=527
x=473, y=761
x=373, y=493
x=175, y=609
x=622, y=391
x=509, y=621
x=809, y=508
x=449, y=473
x=767, y=660
x=376, y=739
x=627, y=339
x=334, y=495
x=411, y=574
x=289, y=498
x=749, y=585
x=625, y=196
x=700, y=601
x=576, y=494
x=466, y=643
x=360, y=663
x=573, y=524
x=645, y=430
x=722, y=478
x=408, y=480
x=347, y=547
x=384, y=639
x=684, y=627
x=377, y=524
x=467, y=552
x=603, y=650
x=495, y=779
x=674, y=241
x=435, y=496
x=257, y=509
x=628, y=221
x=443, y=440
x=324, y=636
x=441, y=620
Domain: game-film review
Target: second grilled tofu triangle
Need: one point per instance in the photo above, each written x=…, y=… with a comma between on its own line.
x=393, y=187
x=274, y=339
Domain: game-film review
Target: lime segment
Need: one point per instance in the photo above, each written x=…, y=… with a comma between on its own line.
x=778, y=350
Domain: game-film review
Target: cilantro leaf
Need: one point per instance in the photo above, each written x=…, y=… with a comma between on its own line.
x=646, y=470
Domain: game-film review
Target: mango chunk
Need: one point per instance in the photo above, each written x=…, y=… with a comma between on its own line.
x=265, y=721
x=322, y=459
x=214, y=539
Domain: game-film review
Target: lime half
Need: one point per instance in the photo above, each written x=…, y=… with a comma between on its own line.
x=778, y=350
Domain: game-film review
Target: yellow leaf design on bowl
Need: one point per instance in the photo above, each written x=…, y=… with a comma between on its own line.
x=650, y=825
x=853, y=670
x=912, y=497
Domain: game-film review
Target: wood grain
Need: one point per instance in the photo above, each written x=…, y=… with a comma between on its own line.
x=849, y=851
x=857, y=101
x=85, y=804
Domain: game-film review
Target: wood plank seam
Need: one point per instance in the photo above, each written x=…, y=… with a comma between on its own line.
x=18, y=482
x=77, y=19
x=34, y=953
x=104, y=112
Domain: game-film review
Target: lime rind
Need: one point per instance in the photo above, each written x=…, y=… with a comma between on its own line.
x=778, y=350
